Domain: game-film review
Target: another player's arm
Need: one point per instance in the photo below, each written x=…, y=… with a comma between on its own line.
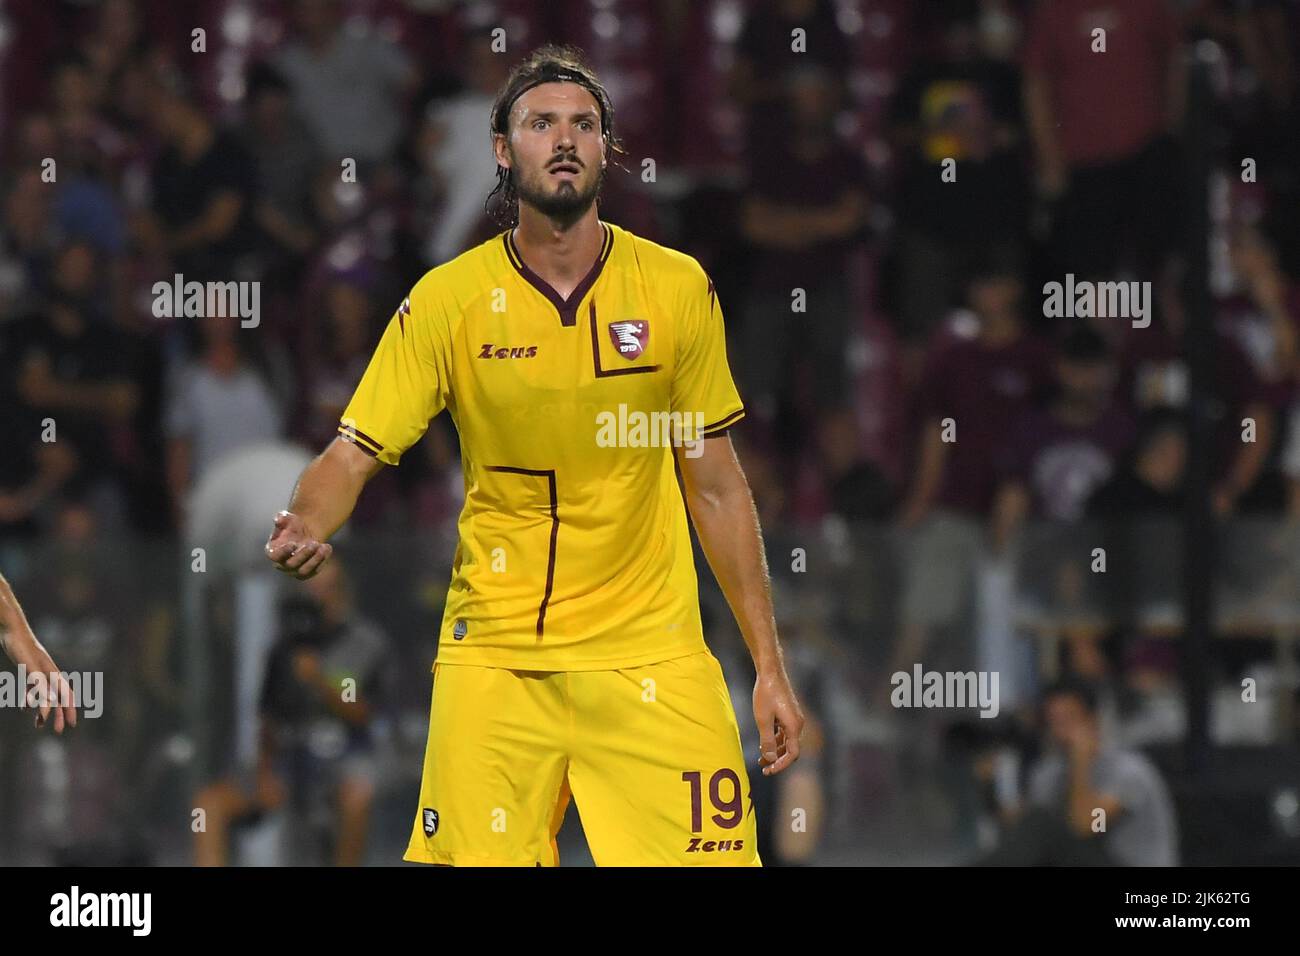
x=322, y=501
x=21, y=646
x=722, y=510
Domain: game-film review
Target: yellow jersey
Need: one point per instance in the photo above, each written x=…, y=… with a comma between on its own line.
x=574, y=551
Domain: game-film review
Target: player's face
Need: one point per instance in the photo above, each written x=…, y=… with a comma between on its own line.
x=555, y=149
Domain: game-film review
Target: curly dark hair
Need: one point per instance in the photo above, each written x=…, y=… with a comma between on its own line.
x=547, y=64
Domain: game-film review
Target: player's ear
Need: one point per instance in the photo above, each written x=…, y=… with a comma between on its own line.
x=500, y=150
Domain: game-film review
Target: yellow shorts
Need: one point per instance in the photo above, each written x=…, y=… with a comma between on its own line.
x=650, y=754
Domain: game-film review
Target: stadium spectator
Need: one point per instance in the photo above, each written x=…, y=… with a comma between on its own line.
x=203, y=188
x=349, y=83
x=86, y=135
x=1152, y=483
x=1111, y=172
x=79, y=606
x=1155, y=375
x=766, y=51
x=1057, y=456
x=981, y=375
x=27, y=242
x=345, y=343
x=217, y=404
x=326, y=690
x=806, y=204
x=1089, y=802
x=1262, y=313
x=959, y=107
x=69, y=368
x=452, y=141
x=286, y=160
x=117, y=38
x=839, y=479
x=1053, y=460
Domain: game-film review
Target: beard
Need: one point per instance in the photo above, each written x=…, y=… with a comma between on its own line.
x=565, y=203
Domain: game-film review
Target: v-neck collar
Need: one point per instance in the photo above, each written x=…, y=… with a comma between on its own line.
x=568, y=308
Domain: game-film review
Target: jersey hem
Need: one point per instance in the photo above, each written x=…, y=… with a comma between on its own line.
x=419, y=854
x=482, y=657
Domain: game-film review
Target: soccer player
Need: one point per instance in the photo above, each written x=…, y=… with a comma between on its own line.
x=21, y=646
x=571, y=660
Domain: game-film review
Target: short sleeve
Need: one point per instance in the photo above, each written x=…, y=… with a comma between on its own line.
x=702, y=385
x=403, y=387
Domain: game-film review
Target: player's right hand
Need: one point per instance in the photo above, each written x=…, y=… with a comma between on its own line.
x=293, y=550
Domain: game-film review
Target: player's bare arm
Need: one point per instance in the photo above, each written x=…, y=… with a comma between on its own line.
x=322, y=500
x=21, y=646
x=722, y=510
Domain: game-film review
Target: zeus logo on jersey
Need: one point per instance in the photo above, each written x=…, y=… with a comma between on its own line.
x=507, y=351
x=699, y=845
x=630, y=338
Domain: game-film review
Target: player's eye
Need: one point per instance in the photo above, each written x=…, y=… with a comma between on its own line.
x=586, y=126
x=538, y=124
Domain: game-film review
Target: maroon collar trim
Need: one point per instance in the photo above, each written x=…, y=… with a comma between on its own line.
x=568, y=308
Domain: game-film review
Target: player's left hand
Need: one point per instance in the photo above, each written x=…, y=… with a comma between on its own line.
x=780, y=720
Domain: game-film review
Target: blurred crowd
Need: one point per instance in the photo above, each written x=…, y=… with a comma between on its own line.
x=867, y=293
x=879, y=202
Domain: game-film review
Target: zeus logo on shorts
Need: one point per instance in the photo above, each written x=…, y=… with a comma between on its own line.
x=714, y=846
x=430, y=822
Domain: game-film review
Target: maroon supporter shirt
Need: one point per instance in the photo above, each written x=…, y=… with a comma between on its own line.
x=984, y=390
x=1062, y=464
x=1106, y=105
x=779, y=176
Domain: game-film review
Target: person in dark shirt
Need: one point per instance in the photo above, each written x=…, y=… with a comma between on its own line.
x=765, y=52
x=805, y=205
x=68, y=369
x=32, y=471
x=1136, y=517
x=962, y=107
x=204, y=185
x=1153, y=483
x=1155, y=374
